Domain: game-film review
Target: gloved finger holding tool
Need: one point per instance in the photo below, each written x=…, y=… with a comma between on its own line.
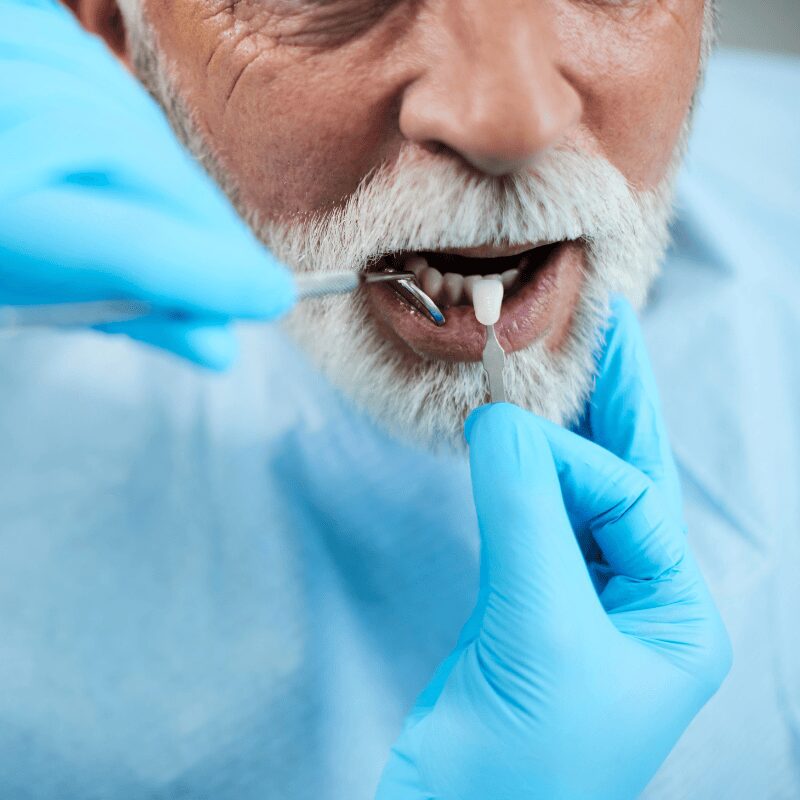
x=553, y=690
x=89, y=159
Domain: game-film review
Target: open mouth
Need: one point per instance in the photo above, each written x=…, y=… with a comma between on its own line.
x=448, y=277
x=542, y=285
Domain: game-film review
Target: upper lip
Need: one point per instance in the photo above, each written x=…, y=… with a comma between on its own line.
x=492, y=251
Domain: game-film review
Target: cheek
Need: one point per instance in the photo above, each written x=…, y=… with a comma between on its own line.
x=636, y=71
x=298, y=127
x=304, y=139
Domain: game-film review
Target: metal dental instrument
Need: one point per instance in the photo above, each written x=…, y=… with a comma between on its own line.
x=487, y=299
x=314, y=284
x=410, y=291
x=105, y=312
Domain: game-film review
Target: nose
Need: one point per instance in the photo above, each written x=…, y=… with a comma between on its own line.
x=489, y=87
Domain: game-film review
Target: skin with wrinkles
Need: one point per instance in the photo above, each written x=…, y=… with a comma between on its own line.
x=301, y=99
x=299, y=107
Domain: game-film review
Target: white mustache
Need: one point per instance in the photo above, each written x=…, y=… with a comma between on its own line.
x=419, y=203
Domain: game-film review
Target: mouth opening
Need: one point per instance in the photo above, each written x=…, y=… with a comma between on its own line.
x=448, y=277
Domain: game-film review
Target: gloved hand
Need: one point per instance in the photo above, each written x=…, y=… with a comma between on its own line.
x=99, y=201
x=553, y=691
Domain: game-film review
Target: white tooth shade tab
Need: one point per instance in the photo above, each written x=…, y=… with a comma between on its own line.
x=487, y=300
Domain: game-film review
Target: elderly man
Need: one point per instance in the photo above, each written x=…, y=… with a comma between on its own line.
x=236, y=586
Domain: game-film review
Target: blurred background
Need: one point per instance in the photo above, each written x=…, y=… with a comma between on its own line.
x=762, y=24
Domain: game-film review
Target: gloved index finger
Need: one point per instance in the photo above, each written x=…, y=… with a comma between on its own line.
x=529, y=550
x=140, y=250
x=624, y=414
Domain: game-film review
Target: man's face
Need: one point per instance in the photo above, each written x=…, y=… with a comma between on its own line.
x=534, y=138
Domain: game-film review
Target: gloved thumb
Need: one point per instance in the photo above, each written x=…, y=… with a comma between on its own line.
x=531, y=564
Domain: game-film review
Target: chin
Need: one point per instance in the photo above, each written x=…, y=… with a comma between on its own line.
x=423, y=398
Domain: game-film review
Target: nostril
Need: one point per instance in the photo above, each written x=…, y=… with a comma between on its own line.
x=496, y=123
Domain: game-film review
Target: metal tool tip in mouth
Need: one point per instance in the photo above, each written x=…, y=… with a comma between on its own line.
x=409, y=290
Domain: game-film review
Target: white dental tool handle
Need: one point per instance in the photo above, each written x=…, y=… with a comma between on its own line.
x=487, y=300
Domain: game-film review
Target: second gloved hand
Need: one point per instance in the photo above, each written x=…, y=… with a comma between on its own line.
x=99, y=201
x=553, y=690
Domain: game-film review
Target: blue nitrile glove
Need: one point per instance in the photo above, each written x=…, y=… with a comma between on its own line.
x=98, y=200
x=552, y=691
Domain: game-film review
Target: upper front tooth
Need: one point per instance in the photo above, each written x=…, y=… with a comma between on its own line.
x=469, y=283
x=509, y=278
x=417, y=265
x=453, y=288
x=432, y=282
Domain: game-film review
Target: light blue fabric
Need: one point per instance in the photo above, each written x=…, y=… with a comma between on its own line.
x=209, y=587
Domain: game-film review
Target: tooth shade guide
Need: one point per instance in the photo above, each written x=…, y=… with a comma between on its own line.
x=487, y=300
x=449, y=288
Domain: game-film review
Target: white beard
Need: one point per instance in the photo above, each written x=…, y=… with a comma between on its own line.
x=425, y=203
x=428, y=205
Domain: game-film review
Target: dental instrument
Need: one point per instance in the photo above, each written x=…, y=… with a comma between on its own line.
x=487, y=300
x=410, y=291
x=104, y=312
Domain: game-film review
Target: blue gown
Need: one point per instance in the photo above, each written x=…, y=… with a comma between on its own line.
x=233, y=587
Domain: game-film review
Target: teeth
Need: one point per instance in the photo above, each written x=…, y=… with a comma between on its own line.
x=509, y=278
x=417, y=265
x=469, y=285
x=432, y=283
x=452, y=289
